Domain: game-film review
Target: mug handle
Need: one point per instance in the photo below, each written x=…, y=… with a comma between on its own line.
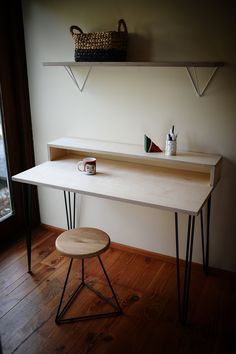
x=79, y=164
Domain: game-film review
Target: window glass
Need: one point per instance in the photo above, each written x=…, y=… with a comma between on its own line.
x=5, y=197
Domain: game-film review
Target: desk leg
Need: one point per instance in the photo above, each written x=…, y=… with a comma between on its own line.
x=177, y=265
x=27, y=197
x=208, y=233
x=203, y=242
x=70, y=206
x=183, y=305
x=205, y=252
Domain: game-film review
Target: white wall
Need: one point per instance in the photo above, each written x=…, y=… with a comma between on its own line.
x=121, y=104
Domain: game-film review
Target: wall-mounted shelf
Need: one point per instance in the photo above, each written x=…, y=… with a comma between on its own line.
x=191, y=67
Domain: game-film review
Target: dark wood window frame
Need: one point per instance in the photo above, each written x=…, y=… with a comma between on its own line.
x=16, y=113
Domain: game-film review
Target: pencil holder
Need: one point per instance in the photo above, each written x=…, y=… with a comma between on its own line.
x=171, y=147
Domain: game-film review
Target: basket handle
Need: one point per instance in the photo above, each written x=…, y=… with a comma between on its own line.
x=72, y=28
x=123, y=24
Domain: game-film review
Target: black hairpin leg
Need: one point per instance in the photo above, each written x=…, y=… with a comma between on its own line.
x=203, y=242
x=205, y=249
x=177, y=265
x=208, y=233
x=27, y=199
x=183, y=305
x=70, y=206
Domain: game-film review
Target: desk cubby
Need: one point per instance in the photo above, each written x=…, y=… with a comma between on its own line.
x=208, y=165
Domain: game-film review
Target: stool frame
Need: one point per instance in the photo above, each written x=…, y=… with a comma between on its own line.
x=70, y=213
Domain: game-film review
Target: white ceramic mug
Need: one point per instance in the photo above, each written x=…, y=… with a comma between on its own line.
x=87, y=165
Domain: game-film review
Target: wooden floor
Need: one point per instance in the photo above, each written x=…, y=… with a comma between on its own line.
x=146, y=288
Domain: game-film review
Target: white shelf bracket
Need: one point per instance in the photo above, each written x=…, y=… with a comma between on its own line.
x=192, y=72
x=75, y=78
x=200, y=73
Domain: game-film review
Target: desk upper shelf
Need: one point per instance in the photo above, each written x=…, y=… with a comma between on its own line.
x=208, y=164
x=126, y=173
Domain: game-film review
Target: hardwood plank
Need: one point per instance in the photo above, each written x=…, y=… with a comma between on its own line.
x=17, y=267
x=146, y=288
x=11, y=254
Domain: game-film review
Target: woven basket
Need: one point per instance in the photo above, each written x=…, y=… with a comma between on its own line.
x=100, y=46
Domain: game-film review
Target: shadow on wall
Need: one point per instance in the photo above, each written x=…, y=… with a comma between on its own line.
x=139, y=47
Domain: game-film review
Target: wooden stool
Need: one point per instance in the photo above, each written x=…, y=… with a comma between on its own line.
x=84, y=242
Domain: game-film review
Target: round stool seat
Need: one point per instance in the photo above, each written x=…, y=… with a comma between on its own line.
x=82, y=242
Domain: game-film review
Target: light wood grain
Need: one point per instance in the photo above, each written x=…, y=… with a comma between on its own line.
x=127, y=173
x=188, y=161
x=83, y=242
x=178, y=190
x=132, y=150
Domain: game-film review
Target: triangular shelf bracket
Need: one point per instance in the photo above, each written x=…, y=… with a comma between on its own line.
x=74, y=77
x=192, y=72
x=80, y=78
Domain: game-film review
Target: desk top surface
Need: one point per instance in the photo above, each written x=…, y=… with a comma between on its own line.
x=182, y=191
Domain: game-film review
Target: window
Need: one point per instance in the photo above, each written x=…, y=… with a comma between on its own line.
x=5, y=194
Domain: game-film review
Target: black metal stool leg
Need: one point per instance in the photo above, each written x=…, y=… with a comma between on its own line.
x=109, y=282
x=82, y=270
x=61, y=313
x=70, y=207
x=58, y=315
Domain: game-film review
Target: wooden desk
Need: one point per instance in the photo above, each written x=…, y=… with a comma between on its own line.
x=181, y=183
